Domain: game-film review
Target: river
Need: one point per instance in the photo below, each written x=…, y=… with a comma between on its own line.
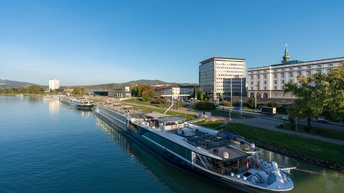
x=46, y=146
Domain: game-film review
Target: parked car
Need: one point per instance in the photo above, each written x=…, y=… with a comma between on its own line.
x=237, y=108
x=322, y=120
x=285, y=117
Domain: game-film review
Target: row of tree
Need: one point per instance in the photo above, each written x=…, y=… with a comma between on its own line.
x=320, y=94
x=30, y=89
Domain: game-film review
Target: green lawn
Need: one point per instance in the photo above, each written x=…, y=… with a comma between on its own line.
x=330, y=133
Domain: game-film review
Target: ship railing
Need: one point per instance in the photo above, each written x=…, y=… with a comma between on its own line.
x=204, y=162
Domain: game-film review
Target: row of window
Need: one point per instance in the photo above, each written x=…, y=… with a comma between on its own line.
x=176, y=148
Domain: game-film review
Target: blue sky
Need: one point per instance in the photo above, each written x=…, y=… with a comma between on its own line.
x=93, y=42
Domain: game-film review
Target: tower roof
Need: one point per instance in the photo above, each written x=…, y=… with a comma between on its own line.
x=286, y=56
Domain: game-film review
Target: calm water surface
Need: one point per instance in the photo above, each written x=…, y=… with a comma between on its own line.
x=46, y=146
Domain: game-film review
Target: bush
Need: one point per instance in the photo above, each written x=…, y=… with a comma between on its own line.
x=205, y=105
x=158, y=101
x=226, y=104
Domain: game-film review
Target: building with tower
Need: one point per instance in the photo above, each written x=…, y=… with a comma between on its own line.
x=268, y=81
x=221, y=77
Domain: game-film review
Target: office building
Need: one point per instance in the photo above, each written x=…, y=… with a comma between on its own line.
x=54, y=84
x=268, y=81
x=221, y=77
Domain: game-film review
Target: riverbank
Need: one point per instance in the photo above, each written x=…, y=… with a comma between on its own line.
x=310, y=150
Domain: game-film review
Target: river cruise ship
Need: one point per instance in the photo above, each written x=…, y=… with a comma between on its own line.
x=79, y=103
x=218, y=156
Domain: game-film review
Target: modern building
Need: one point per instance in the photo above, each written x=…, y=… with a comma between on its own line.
x=268, y=81
x=221, y=77
x=122, y=91
x=54, y=84
x=177, y=92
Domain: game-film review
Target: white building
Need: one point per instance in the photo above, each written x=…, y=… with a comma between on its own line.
x=54, y=84
x=221, y=77
x=268, y=81
x=178, y=92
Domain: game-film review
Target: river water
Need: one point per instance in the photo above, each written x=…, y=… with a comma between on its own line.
x=46, y=146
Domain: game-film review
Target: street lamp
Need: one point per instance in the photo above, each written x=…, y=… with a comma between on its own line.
x=230, y=108
x=241, y=95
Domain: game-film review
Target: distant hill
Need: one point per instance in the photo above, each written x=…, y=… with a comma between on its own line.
x=157, y=82
x=16, y=84
x=150, y=82
x=13, y=84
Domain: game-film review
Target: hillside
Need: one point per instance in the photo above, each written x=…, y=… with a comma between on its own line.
x=150, y=82
x=157, y=82
x=12, y=84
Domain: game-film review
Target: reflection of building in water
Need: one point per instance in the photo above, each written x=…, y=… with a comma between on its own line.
x=54, y=106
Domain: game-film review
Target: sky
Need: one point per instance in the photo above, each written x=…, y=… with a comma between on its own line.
x=87, y=42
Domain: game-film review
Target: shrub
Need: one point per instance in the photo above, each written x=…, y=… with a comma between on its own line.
x=205, y=105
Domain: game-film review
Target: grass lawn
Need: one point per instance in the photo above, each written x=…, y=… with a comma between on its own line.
x=330, y=133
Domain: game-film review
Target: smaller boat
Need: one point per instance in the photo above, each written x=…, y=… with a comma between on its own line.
x=81, y=103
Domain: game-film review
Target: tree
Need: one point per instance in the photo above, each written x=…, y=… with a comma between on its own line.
x=250, y=103
x=310, y=97
x=78, y=90
x=34, y=89
x=143, y=90
x=334, y=90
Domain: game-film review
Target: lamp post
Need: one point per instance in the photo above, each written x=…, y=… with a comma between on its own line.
x=241, y=96
x=230, y=108
x=255, y=98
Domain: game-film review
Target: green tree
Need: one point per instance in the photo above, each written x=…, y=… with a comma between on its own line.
x=250, y=103
x=143, y=90
x=333, y=87
x=34, y=89
x=310, y=97
x=78, y=90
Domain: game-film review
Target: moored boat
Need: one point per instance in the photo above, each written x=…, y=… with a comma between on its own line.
x=219, y=156
x=82, y=103
x=79, y=103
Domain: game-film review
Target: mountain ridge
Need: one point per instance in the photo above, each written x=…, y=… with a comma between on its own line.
x=5, y=83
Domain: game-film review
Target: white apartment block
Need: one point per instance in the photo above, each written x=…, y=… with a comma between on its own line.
x=268, y=81
x=54, y=84
x=221, y=77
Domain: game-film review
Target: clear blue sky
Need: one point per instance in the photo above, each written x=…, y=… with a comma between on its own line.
x=93, y=42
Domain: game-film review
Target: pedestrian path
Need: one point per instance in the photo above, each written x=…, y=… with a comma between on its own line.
x=261, y=123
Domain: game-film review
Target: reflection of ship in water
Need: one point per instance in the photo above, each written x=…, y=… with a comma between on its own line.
x=168, y=175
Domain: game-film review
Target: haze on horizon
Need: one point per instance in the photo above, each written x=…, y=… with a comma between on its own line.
x=89, y=42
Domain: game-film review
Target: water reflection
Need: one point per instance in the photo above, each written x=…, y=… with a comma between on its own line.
x=54, y=105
